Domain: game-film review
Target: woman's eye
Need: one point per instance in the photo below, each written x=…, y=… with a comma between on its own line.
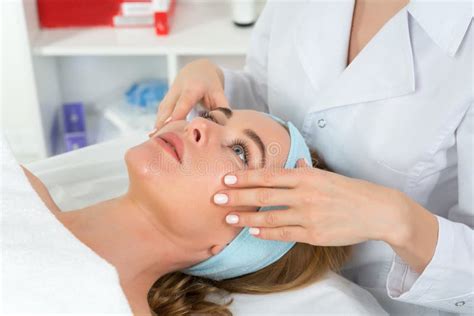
x=239, y=147
x=241, y=152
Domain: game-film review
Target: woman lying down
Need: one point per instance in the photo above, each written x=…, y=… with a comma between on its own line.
x=167, y=248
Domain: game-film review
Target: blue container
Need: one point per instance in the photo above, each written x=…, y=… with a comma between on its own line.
x=146, y=95
x=74, y=126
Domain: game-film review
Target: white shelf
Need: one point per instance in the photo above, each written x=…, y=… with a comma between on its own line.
x=202, y=28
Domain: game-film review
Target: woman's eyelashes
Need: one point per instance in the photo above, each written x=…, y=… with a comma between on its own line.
x=241, y=149
x=238, y=146
x=208, y=116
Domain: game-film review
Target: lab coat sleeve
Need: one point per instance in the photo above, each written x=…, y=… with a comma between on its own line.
x=247, y=88
x=447, y=283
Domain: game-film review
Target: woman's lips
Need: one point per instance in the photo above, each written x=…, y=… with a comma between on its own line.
x=172, y=144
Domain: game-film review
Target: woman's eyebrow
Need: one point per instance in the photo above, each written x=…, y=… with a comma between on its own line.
x=226, y=111
x=258, y=141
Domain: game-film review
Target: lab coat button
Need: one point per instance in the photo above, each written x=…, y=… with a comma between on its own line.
x=460, y=303
x=322, y=123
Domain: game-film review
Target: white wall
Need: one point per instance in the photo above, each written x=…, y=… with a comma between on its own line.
x=20, y=117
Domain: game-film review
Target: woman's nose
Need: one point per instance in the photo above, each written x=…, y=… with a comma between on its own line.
x=198, y=130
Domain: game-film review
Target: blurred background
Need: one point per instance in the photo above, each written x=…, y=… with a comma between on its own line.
x=79, y=72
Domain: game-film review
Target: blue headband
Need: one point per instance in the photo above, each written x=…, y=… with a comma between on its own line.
x=245, y=253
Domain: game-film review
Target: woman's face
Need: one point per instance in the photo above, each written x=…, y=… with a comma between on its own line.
x=179, y=169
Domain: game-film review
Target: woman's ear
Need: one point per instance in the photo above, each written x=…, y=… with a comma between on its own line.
x=216, y=249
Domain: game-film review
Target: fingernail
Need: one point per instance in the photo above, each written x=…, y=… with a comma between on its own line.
x=302, y=162
x=167, y=120
x=221, y=198
x=230, y=179
x=254, y=231
x=152, y=132
x=232, y=219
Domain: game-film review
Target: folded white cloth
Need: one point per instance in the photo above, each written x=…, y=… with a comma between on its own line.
x=45, y=268
x=332, y=295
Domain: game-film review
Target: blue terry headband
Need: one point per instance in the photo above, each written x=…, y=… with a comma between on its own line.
x=245, y=253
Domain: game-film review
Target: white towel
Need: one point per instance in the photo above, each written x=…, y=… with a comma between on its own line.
x=332, y=295
x=45, y=268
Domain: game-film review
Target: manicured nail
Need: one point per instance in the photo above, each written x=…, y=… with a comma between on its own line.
x=152, y=132
x=230, y=179
x=302, y=162
x=221, y=198
x=254, y=231
x=167, y=120
x=232, y=219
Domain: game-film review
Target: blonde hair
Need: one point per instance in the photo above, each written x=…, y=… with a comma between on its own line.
x=178, y=294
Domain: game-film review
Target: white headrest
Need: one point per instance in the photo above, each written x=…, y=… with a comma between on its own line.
x=88, y=175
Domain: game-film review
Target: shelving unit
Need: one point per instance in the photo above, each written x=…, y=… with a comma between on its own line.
x=199, y=29
x=84, y=64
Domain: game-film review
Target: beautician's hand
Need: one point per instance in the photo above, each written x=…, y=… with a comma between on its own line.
x=200, y=80
x=324, y=208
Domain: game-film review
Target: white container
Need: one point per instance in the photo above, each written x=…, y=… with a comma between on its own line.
x=244, y=12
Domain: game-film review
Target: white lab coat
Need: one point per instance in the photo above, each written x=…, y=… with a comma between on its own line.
x=400, y=115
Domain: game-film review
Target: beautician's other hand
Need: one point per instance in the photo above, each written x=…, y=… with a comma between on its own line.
x=200, y=80
x=324, y=208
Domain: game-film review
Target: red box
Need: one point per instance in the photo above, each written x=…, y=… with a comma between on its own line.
x=163, y=19
x=77, y=13
x=84, y=13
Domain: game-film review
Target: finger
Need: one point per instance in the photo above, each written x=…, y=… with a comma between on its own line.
x=257, y=197
x=286, y=233
x=219, y=100
x=151, y=133
x=266, y=177
x=273, y=218
x=185, y=103
x=166, y=107
x=301, y=163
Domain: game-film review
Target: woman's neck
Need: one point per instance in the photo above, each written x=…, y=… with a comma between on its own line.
x=122, y=232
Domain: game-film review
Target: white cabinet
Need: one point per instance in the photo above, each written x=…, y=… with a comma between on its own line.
x=44, y=68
